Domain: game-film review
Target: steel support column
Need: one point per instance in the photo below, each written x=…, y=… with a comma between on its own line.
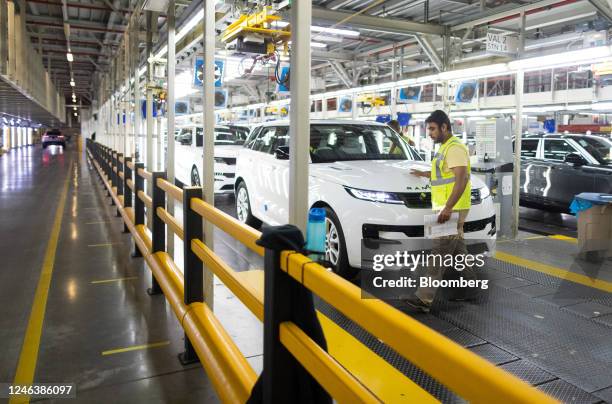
x=208, y=180
x=170, y=69
x=149, y=108
x=299, y=140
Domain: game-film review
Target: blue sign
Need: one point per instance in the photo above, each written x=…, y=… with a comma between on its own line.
x=383, y=118
x=466, y=91
x=198, y=74
x=143, y=104
x=409, y=95
x=283, y=86
x=403, y=118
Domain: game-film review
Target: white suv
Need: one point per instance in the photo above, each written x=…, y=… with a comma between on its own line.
x=189, y=154
x=360, y=173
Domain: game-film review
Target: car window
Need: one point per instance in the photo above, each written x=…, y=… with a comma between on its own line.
x=343, y=142
x=251, y=139
x=601, y=149
x=263, y=143
x=281, y=138
x=557, y=149
x=185, y=138
x=529, y=148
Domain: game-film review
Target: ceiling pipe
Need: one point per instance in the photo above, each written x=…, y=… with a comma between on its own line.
x=80, y=5
x=73, y=26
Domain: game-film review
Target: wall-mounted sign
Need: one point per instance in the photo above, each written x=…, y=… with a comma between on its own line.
x=502, y=44
x=198, y=74
x=345, y=104
x=409, y=95
x=466, y=91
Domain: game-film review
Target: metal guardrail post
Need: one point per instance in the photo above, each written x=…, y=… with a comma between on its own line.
x=120, y=181
x=113, y=165
x=193, y=268
x=139, y=213
x=127, y=191
x=279, y=364
x=158, y=225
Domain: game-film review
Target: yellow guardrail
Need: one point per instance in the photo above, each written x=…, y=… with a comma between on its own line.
x=464, y=372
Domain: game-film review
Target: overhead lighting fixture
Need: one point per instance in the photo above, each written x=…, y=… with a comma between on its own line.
x=74, y=108
x=582, y=56
x=69, y=57
x=72, y=82
x=335, y=31
x=75, y=114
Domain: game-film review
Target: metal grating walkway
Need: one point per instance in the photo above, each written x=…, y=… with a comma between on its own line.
x=552, y=333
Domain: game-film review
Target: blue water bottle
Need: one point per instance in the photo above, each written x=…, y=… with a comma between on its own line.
x=316, y=231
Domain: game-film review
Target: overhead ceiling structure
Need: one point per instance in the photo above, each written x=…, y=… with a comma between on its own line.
x=358, y=42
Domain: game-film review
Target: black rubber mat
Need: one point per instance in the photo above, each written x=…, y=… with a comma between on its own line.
x=605, y=394
x=589, y=309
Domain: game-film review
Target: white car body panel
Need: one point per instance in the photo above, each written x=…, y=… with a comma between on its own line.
x=190, y=156
x=267, y=181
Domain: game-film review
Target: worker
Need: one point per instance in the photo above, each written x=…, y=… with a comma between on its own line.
x=394, y=124
x=450, y=193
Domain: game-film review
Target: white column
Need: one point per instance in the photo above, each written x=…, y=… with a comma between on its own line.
x=171, y=66
x=518, y=134
x=149, y=109
x=208, y=98
x=299, y=141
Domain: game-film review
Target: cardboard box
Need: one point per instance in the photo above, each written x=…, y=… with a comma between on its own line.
x=595, y=230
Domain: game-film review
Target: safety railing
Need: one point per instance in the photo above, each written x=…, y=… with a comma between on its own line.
x=290, y=343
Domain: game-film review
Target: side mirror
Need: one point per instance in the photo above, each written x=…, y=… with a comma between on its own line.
x=282, y=153
x=575, y=159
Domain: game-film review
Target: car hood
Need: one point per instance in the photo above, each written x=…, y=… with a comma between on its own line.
x=227, y=150
x=378, y=175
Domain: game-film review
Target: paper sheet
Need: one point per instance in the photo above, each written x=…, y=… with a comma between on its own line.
x=433, y=229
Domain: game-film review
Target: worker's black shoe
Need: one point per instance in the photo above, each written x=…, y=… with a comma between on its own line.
x=416, y=303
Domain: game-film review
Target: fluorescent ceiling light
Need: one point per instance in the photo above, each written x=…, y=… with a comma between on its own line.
x=474, y=72
x=318, y=45
x=74, y=108
x=189, y=25
x=72, y=82
x=334, y=31
x=586, y=55
x=70, y=57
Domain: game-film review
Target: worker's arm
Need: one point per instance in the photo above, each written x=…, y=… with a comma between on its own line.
x=461, y=181
x=419, y=173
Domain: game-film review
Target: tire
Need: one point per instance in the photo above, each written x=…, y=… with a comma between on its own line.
x=195, y=177
x=243, y=207
x=335, y=246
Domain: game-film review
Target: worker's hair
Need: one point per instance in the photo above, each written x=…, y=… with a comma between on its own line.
x=439, y=117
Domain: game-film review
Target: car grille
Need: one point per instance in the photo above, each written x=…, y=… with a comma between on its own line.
x=226, y=175
x=231, y=161
x=422, y=200
x=372, y=231
x=416, y=200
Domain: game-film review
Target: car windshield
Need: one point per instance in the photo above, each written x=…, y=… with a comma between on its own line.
x=346, y=142
x=601, y=149
x=223, y=137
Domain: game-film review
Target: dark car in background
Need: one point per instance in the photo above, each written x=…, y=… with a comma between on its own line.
x=555, y=168
x=53, y=137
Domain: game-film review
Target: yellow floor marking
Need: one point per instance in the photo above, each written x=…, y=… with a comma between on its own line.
x=100, y=222
x=129, y=278
x=554, y=271
x=136, y=348
x=102, y=245
x=31, y=342
x=564, y=238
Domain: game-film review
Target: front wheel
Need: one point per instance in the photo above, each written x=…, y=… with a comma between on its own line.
x=335, y=246
x=243, y=207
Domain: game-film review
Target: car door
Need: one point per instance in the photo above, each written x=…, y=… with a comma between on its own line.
x=531, y=170
x=565, y=180
x=264, y=167
x=183, y=155
x=278, y=191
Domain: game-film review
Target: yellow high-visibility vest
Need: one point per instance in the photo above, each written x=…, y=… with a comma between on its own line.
x=442, y=183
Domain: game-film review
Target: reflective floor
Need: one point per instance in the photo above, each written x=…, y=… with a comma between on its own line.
x=547, y=317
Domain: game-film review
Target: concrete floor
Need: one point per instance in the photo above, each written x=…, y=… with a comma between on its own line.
x=85, y=319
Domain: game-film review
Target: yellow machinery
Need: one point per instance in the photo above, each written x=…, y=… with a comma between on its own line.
x=371, y=100
x=258, y=25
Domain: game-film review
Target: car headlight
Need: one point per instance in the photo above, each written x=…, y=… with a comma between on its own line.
x=374, y=196
x=484, y=192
